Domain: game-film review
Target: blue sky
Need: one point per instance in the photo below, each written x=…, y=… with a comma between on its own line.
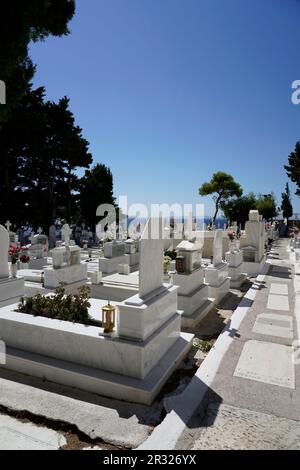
x=169, y=91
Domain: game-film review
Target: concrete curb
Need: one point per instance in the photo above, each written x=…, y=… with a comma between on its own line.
x=182, y=407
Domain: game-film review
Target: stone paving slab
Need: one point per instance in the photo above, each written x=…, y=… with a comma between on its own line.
x=16, y=435
x=272, y=324
x=267, y=362
x=113, y=421
x=227, y=427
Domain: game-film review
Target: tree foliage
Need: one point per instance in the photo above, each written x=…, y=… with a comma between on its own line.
x=223, y=187
x=96, y=188
x=286, y=203
x=266, y=205
x=20, y=23
x=293, y=167
x=237, y=209
x=42, y=150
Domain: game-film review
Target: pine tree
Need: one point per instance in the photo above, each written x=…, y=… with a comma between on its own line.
x=293, y=167
x=286, y=204
x=222, y=186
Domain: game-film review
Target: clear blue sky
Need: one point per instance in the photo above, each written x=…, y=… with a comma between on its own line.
x=169, y=91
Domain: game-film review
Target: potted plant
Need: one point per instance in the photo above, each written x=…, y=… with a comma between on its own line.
x=13, y=254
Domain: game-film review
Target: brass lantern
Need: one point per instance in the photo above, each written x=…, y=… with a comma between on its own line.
x=108, y=318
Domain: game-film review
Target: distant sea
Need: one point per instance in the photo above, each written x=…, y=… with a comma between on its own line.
x=220, y=221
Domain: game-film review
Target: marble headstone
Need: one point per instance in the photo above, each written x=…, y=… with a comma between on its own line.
x=151, y=257
x=66, y=233
x=4, y=245
x=217, y=247
x=254, y=216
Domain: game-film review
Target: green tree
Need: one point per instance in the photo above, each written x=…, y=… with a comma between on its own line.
x=293, y=167
x=96, y=188
x=20, y=23
x=237, y=209
x=223, y=187
x=286, y=204
x=266, y=205
x=43, y=150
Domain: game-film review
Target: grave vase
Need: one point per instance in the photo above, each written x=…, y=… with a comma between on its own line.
x=13, y=269
x=23, y=265
x=232, y=246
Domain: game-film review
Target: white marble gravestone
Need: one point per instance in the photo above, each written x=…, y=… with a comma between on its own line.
x=11, y=289
x=114, y=255
x=193, y=292
x=151, y=257
x=132, y=253
x=66, y=233
x=217, y=247
x=216, y=275
x=234, y=259
x=254, y=247
x=152, y=316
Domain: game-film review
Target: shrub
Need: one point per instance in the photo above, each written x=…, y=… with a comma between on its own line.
x=71, y=307
x=171, y=254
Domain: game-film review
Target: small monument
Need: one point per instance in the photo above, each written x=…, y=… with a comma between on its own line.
x=114, y=254
x=254, y=246
x=132, y=253
x=234, y=258
x=216, y=274
x=193, y=292
x=66, y=233
x=67, y=267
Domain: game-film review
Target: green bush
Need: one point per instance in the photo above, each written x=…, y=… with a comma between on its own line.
x=71, y=307
x=172, y=254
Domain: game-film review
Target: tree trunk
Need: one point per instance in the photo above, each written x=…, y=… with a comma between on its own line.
x=216, y=211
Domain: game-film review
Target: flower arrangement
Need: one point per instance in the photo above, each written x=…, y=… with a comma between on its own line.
x=167, y=261
x=24, y=257
x=231, y=235
x=14, y=253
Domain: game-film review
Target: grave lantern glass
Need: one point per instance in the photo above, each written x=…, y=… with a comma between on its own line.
x=180, y=264
x=108, y=318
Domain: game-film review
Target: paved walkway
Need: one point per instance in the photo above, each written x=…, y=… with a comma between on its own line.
x=253, y=401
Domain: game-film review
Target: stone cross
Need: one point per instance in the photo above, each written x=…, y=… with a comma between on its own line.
x=218, y=247
x=66, y=233
x=4, y=245
x=8, y=225
x=151, y=257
